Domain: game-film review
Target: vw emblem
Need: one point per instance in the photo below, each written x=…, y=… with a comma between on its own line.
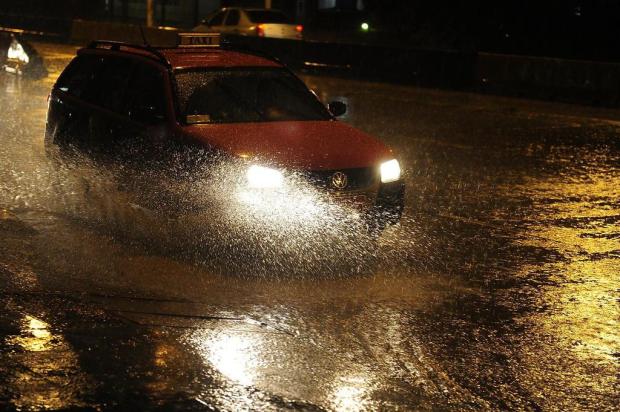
x=339, y=180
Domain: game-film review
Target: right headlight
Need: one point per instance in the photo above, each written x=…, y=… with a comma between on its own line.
x=390, y=171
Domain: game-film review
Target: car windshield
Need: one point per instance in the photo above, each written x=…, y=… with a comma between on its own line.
x=267, y=16
x=255, y=95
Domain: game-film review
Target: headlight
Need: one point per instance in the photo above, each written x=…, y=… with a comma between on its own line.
x=390, y=171
x=260, y=177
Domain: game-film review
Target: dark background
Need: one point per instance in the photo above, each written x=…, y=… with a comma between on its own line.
x=573, y=29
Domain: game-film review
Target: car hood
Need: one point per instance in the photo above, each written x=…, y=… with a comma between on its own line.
x=312, y=145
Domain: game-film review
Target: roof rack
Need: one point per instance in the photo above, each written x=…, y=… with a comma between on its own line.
x=116, y=46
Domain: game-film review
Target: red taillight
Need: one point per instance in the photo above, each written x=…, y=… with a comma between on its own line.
x=260, y=30
x=299, y=28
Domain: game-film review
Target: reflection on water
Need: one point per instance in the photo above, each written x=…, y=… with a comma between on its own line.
x=582, y=223
x=12, y=84
x=35, y=337
x=46, y=373
x=351, y=393
x=330, y=363
x=577, y=216
x=235, y=354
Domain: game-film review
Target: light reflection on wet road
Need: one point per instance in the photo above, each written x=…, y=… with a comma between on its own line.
x=500, y=290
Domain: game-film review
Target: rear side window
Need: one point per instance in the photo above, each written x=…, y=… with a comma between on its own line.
x=79, y=75
x=110, y=83
x=267, y=16
x=233, y=18
x=218, y=19
x=97, y=80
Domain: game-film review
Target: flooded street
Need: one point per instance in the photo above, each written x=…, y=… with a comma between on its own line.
x=500, y=289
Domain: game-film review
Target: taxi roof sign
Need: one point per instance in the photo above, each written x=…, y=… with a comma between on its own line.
x=198, y=40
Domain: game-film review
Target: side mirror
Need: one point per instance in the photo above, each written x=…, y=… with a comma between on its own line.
x=337, y=108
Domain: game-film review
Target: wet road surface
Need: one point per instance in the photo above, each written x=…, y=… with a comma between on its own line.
x=499, y=290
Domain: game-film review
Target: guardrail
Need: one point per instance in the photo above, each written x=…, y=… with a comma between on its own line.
x=573, y=81
x=430, y=68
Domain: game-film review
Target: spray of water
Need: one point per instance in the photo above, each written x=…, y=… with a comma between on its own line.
x=207, y=214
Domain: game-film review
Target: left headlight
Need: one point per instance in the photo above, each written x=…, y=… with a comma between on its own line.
x=390, y=171
x=260, y=177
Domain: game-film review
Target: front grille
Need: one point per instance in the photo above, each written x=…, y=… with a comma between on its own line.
x=357, y=179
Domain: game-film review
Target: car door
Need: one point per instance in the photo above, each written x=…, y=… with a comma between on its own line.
x=146, y=108
x=106, y=121
x=148, y=145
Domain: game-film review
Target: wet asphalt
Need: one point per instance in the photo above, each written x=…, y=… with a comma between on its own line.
x=500, y=289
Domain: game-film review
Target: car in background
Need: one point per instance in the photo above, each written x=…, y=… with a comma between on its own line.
x=132, y=103
x=251, y=22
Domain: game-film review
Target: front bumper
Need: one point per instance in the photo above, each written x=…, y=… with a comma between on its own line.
x=308, y=198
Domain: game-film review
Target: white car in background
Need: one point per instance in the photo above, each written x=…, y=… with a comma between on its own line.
x=251, y=22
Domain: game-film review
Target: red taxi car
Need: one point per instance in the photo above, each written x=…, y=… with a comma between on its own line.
x=228, y=102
